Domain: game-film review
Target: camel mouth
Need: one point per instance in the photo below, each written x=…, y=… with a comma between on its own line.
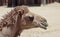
x=45, y=28
x=43, y=25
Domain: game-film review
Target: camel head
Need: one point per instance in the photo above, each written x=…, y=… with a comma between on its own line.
x=31, y=20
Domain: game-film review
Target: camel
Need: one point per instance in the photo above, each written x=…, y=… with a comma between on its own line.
x=18, y=19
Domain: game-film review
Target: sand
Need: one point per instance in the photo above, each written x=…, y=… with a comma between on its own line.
x=51, y=12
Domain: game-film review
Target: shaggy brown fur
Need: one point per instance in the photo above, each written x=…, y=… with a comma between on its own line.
x=13, y=18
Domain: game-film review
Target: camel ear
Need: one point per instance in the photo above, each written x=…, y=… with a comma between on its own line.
x=20, y=12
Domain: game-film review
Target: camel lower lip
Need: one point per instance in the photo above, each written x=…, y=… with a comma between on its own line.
x=44, y=28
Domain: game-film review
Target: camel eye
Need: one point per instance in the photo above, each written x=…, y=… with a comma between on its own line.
x=31, y=18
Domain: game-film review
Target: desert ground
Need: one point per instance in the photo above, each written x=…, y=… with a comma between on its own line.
x=50, y=11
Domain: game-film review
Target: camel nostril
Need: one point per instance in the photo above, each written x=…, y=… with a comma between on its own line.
x=46, y=24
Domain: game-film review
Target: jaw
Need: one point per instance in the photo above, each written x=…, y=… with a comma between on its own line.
x=43, y=25
x=35, y=25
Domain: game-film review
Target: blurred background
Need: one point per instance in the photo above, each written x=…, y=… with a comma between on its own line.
x=13, y=3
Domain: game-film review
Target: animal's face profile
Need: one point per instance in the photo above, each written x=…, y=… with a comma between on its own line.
x=30, y=20
x=21, y=18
